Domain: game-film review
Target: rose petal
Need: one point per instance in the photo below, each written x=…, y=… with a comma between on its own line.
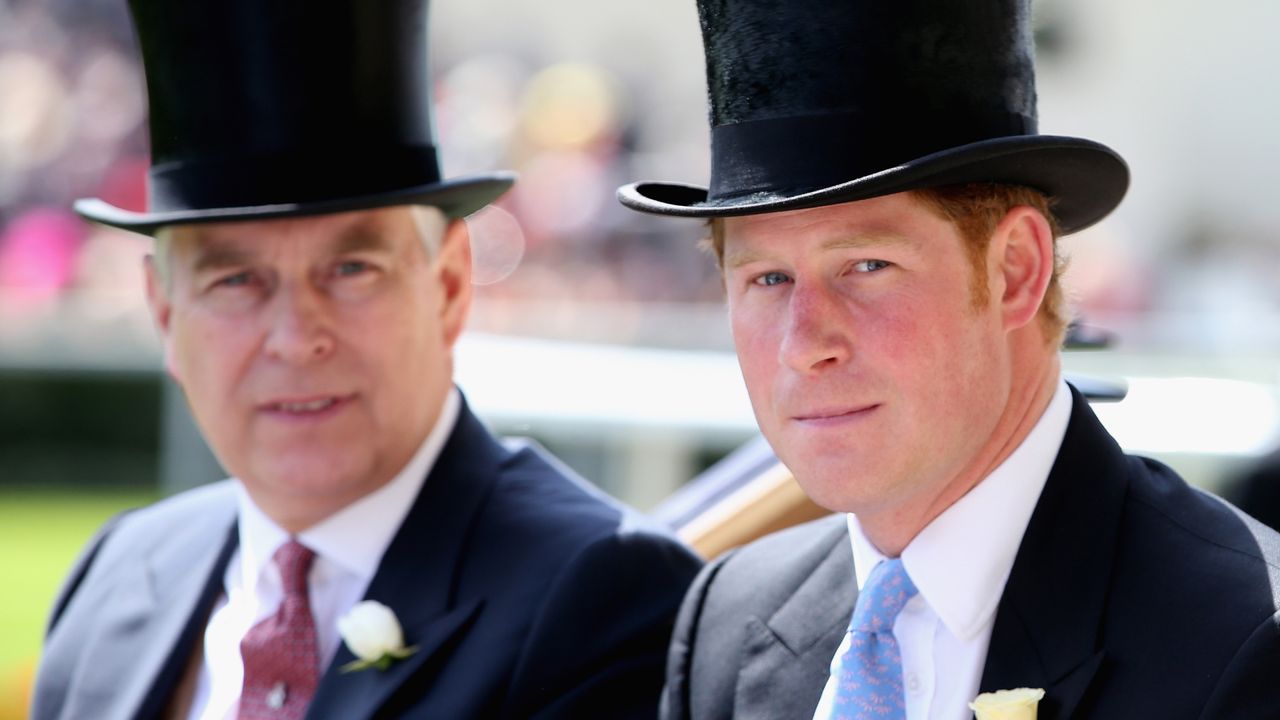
x=371, y=630
x=1017, y=704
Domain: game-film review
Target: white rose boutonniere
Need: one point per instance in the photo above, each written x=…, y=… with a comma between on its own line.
x=1019, y=704
x=372, y=632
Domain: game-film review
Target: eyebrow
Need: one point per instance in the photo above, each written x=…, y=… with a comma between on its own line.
x=217, y=257
x=360, y=238
x=739, y=258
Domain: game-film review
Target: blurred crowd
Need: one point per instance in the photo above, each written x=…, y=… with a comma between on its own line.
x=559, y=257
x=73, y=125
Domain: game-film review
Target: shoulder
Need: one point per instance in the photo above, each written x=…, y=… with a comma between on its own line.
x=542, y=506
x=557, y=538
x=1191, y=562
x=109, y=587
x=756, y=579
x=1204, y=563
x=174, y=513
x=202, y=514
x=206, y=511
x=1174, y=545
x=1203, y=537
x=761, y=575
x=592, y=584
x=740, y=590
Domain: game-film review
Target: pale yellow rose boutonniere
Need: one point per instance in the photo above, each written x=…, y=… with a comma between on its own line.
x=1019, y=704
x=372, y=632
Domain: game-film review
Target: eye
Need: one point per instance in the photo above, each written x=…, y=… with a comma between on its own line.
x=236, y=280
x=348, y=268
x=772, y=278
x=869, y=266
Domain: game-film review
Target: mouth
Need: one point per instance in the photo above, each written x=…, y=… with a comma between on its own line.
x=834, y=416
x=304, y=407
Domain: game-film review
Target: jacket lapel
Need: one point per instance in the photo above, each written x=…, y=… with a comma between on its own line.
x=157, y=612
x=1047, y=624
x=787, y=657
x=417, y=580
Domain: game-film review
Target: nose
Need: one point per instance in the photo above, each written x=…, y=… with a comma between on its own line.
x=300, y=329
x=816, y=336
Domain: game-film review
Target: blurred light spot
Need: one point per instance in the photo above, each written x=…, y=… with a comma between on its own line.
x=569, y=106
x=110, y=100
x=497, y=245
x=476, y=112
x=560, y=192
x=35, y=112
x=38, y=253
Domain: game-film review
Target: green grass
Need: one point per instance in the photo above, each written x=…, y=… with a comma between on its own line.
x=41, y=533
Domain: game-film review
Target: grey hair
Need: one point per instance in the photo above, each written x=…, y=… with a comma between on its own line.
x=161, y=250
x=430, y=222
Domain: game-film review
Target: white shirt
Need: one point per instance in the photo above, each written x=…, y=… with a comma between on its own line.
x=348, y=545
x=960, y=563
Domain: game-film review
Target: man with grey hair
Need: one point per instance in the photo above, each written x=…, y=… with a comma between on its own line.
x=378, y=553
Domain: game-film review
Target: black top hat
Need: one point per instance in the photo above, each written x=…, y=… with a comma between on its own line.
x=276, y=108
x=819, y=102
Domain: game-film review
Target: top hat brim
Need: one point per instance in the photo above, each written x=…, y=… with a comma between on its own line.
x=1085, y=180
x=457, y=197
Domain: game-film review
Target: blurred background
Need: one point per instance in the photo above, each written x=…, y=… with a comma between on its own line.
x=598, y=331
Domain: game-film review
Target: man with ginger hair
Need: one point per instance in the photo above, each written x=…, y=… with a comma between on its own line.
x=378, y=553
x=886, y=218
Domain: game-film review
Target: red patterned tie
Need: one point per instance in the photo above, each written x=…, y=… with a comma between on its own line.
x=281, y=668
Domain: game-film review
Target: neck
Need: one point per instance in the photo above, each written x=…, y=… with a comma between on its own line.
x=1034, y=383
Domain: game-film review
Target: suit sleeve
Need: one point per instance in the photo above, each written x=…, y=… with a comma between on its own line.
x=598, y=642
x=675, y=695
x=1248, y=688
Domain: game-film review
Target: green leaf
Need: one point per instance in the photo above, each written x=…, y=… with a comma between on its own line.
x=381, y=663
x=356, y=666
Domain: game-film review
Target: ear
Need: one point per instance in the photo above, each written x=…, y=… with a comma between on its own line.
x=453, y=273
x=1023, y=249
x=161, y=312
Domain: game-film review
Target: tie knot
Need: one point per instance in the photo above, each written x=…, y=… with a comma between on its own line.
x=886, y=592
x=294, y=560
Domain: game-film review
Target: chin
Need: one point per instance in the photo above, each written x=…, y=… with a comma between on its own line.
x=316, y=474
x=846, y=486
x=836, y=492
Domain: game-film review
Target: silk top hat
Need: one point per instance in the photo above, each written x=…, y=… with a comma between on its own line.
x=278, y=108
x=819, y=102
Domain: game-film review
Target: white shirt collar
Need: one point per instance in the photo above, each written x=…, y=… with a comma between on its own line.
x=961, y=561
x=355, y=537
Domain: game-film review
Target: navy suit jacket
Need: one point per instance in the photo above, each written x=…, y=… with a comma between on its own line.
x=1132, y=595
x=529, y=594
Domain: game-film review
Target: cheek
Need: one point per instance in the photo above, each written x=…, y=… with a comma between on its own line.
x=756, y=339
x=392, y=339
x=185, y=354
x=925, y=342
x=900, y=328
x=945, y=360
x=207, y=356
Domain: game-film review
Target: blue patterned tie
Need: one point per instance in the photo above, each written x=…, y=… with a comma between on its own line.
x=870, y=673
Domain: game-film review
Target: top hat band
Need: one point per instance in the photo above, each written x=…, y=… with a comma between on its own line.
x=794, y=155
x=267, y=178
